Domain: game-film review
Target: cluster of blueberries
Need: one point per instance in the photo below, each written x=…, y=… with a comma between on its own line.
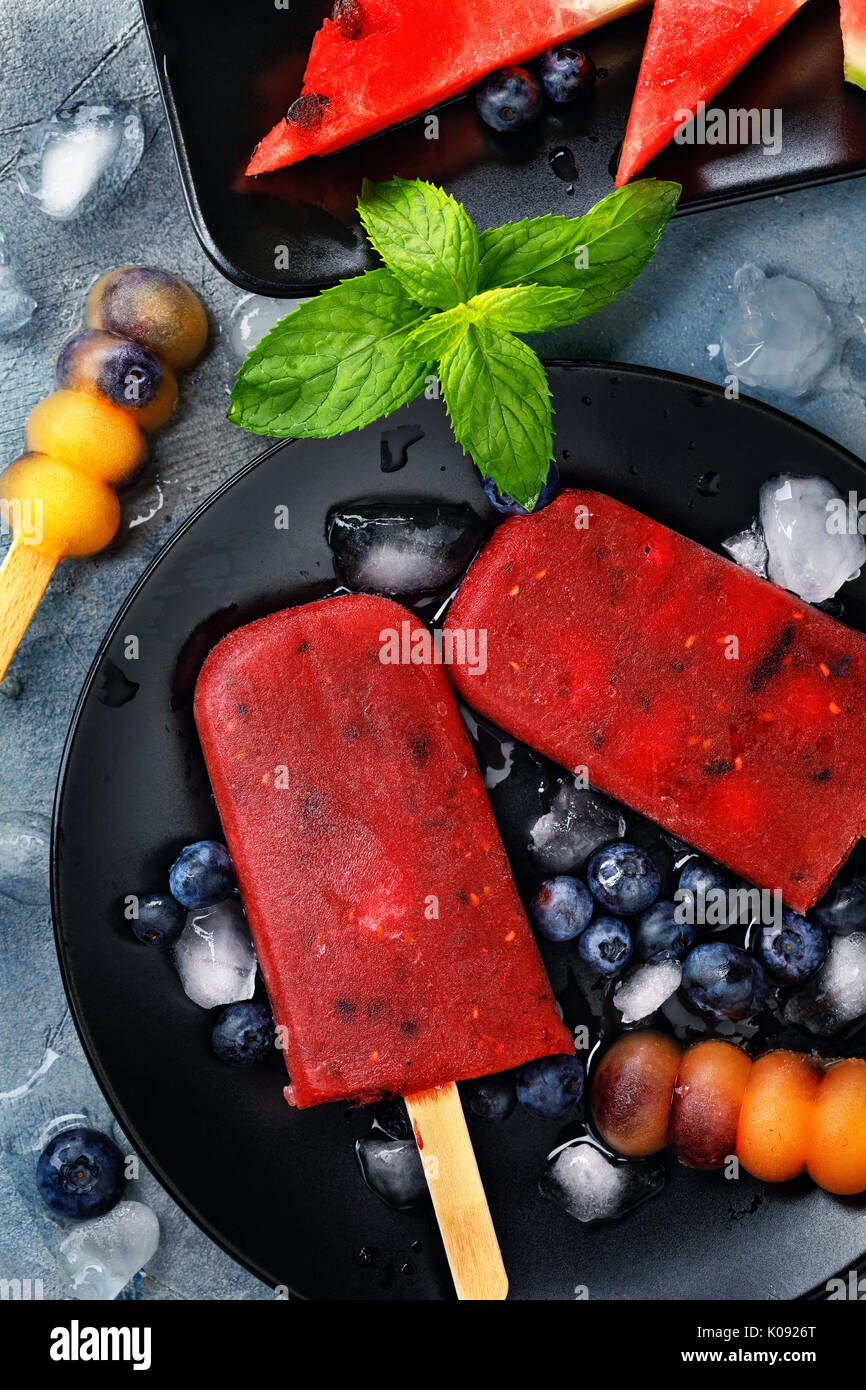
x=616, y=916
x=201, y=877
x=512, y=98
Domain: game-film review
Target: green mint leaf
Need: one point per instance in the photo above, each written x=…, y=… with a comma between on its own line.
x=598, y=254
x=498, y=400
x=438, y=334
x=527, y=308
x=334, y=364
x=524, y=309
x=425, y=237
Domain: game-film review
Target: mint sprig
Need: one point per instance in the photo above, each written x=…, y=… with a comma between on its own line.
x=451, y=301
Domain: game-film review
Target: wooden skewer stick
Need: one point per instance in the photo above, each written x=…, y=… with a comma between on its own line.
x=458, y=1196
x=24, y=577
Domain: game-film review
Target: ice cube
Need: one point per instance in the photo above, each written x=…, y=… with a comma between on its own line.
x=392, y=1168
x=780, y=336
x=749, y=549
x=17, y=305
x=836, y=996
x=403, y=550
x=578, y=823
x=25, y=840
x=593, y=1187
x=253, y=316
x=644, y=988
x=80, y=157
x=99, y=1257
x=215, y=957
x=813, y=544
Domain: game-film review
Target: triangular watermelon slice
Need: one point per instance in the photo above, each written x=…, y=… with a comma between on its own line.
x=694, y=48
x=854, y=37
x=379, y=62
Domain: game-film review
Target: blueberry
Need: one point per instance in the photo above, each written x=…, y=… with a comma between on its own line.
x=606, y=945
x=508, y=99
x=624, y=878
x=701, y=886
x=120, y=371
x=843, y=908
x=79, y=1173
x=491, y=1097
x=561, y=908
x=792, y=952
x=202, y=875
x=507, y=505
x=160, y=920
x=566, y=72
x=723, y=981
x=244, y=1033
x=551, y=1088
x=658, y=933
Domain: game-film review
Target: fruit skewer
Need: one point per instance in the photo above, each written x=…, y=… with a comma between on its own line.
x=782, y=1115
x=116, y=384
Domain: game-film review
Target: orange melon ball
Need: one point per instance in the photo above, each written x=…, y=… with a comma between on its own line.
x=773, y=1134
x=632, y=1087
x=57, y=509
x=706, y=1103
x=836, y=1155
x=154, y=308
x=88, y=434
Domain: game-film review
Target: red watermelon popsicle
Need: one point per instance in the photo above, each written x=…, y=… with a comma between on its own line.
x=711, y=701
x=379, y=62
x=393, y=943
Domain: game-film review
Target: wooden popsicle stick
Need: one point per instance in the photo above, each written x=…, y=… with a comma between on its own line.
x=24, y=577
x=458, y=1196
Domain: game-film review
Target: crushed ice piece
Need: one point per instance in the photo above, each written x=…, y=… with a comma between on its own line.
x=403, y=549
x=214, y=956
x=392, y=1168
x=749, y=549
x=836, y=996
x=713, y=349
x=813, y=544
x=780, y=336
x=644, y=988
x=25, y=842
x=579, y=822
x=253, y=316
x=495, y=752
x=98, y=1258
x=17, y=305
x=80, y=157
x=593, y=1187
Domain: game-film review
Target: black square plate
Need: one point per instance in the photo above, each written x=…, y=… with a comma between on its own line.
x=228, y=70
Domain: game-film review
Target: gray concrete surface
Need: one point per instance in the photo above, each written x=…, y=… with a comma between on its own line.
x=54, y=49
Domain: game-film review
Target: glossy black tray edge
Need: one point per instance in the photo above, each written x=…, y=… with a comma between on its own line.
x=245, y=281
x=818, y=1293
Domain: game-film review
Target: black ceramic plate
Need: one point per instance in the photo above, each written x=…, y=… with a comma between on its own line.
x=279, y=1188
x=229, y=69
